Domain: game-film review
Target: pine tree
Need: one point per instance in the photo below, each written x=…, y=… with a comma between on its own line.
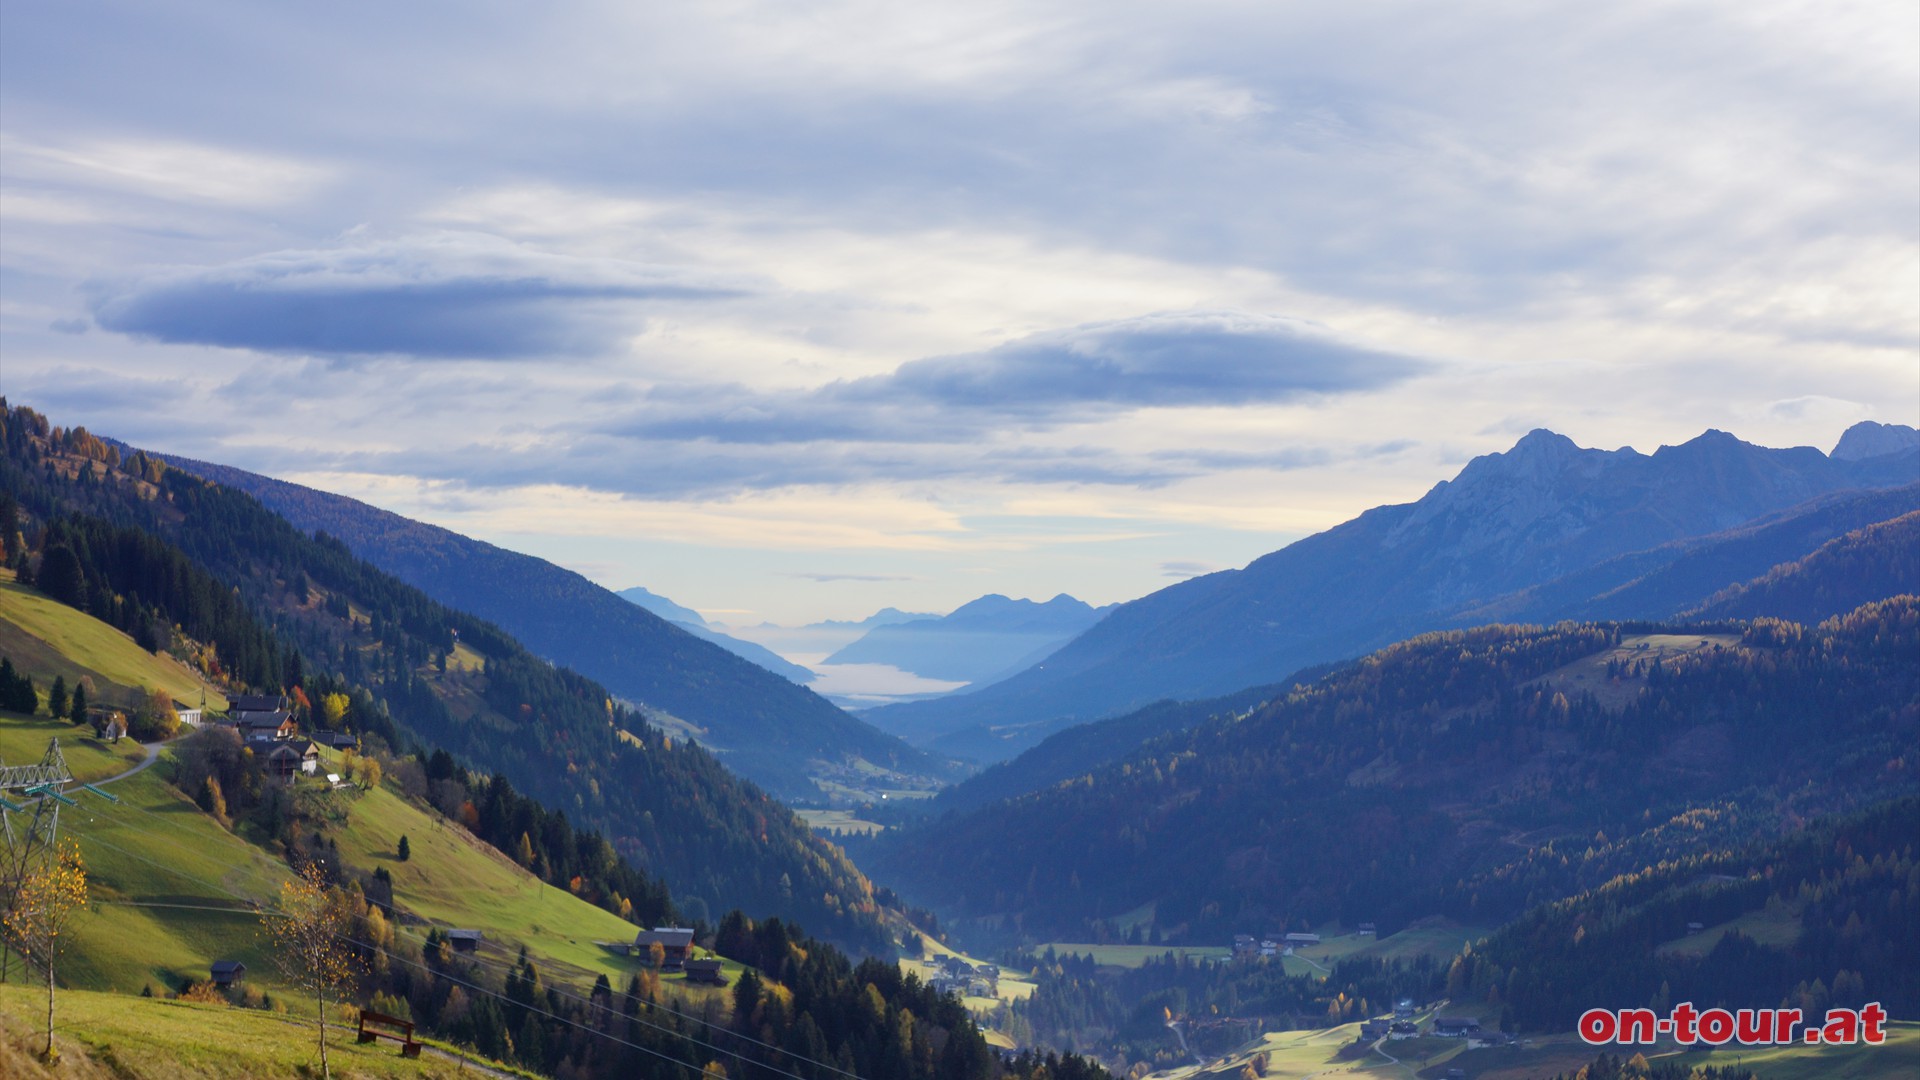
x=405, y=850
x=57, y=703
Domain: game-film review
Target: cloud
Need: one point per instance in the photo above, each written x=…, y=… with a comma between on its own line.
x=1042, y=381
x=442, y=295
x=1186, y=568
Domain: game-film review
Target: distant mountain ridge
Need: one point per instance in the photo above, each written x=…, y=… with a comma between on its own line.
x=694, y=623
x=769, y=730
x=980, y=641
x=1508, y=522
x=1819, y=559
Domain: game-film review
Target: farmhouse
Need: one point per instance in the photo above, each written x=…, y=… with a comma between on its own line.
x=676, y=941
x=228, y=972
x=240, y=703
x=1368, y=929
x=1303, y=939
x=337, y=740
x=705, y=971
x=189, y=714
x=1455, y=1027
x=289, y=759
x=1376, y=1029
x=264, y=726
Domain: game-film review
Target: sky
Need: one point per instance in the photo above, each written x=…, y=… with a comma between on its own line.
x=792, y=311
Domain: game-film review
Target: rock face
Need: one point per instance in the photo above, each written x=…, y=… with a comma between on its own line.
x=1508, y=522
x=1868, y=439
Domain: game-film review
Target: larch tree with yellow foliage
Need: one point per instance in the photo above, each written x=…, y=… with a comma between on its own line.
x=309, y=931
x=37, y=923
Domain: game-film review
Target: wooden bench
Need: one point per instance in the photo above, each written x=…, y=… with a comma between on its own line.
x=402, y=1031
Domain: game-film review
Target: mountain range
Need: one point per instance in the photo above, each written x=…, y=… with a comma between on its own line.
x=766, y=728
x=1508, y=523
x=980, y=641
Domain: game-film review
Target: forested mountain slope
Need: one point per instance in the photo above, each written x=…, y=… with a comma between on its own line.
x=184, y=856
x=1510, y=521
x=1875, y=561
x=146, y=540
x=768, y=729
x=1824, y=916
x=1471, y=773
x=1792, y=581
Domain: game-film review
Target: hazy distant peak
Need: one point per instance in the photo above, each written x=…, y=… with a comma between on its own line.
x=1870, y=438
x=996, y=604
x=661, y=606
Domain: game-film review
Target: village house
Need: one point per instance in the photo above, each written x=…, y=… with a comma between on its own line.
x=675, y=941
x=240, y=703
x=189, y=714
x=337, y=740
x=1367, y=929
x=1403, y=1029
x=1376, y=1029
x=1455, y=1027
x=1243, y=944
x=289, y=759
x=1403, y=1008
x=264, y=726
x=1303, y=939
x=705, y=971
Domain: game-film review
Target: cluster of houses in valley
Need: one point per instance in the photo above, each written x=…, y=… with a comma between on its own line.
x=1246, y=945
x=265, y=723
x=1402, y=1025
x=964, y=978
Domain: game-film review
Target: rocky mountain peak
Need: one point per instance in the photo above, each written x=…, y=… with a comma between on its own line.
x=1869, y=438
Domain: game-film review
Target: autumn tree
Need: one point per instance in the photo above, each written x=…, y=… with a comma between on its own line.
x=37, y=923
x=333, y=710
x=310, y=947
x=155, y=720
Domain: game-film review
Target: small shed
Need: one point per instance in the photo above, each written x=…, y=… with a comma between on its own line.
x=228, y=972
x=464, y=940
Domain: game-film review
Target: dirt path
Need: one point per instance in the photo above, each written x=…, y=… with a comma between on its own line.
x=153, y=755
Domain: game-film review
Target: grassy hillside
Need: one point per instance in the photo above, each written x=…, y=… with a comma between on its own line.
x=115, y=1037
x=23, y=741
x=287, y=609
x=172, y=889
x=46, y=638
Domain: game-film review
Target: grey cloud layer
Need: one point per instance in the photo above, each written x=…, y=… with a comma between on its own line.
x=1041, y=381
x=443, y=296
